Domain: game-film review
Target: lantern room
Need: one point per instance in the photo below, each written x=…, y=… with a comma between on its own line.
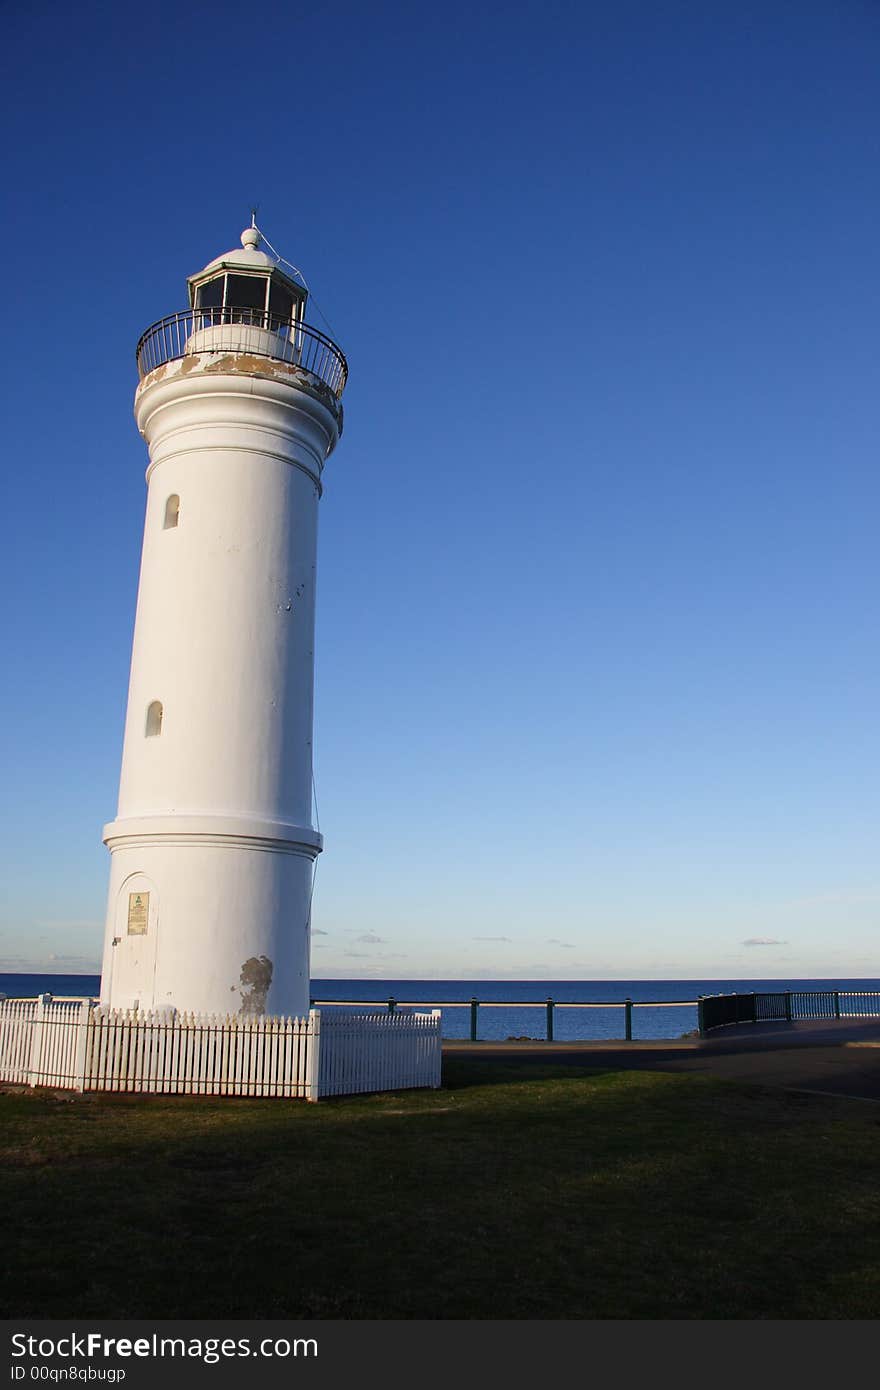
x=247, y=286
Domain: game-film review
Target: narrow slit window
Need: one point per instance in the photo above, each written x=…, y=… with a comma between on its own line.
x=172, y=512
x=154, y=719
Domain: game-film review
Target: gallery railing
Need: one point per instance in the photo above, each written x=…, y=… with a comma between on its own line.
x=249, y=331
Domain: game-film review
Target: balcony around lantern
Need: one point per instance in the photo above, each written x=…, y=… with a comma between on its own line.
x=253, y=332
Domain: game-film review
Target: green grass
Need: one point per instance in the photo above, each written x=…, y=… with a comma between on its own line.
x=513, y=1192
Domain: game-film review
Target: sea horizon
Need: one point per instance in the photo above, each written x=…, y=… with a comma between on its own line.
x=515, y=1008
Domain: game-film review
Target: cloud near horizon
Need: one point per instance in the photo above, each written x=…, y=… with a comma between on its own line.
x=371, y=955
x=762, y=941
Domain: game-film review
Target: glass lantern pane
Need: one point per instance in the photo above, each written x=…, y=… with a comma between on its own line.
x=246, y=292
x=280, y=302
x=210, y=295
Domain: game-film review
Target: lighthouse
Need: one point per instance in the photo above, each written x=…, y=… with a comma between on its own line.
x=213, y=848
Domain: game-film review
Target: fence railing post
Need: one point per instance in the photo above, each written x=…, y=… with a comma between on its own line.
x=837, y=1003
x=475, y=1004
x=787, y=998
x=549, y=1019
x=392, y=1005
x=35, y=1066
x=701, y=1016
x=82, y=1037
x=628, y=1018
x=313, y=1055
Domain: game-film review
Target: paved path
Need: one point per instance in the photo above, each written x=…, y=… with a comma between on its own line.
x=836, y=1057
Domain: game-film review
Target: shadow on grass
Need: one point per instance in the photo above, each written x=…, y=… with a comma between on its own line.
x=461, y=1073
x=526, y=1191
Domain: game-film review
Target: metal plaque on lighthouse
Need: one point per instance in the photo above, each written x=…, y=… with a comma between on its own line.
x=138, y=912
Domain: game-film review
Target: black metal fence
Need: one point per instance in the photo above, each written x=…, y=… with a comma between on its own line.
x=719, y=1010
x=248, y=331
x=713, y=1010
x=785, y=1006
x=547, y=1006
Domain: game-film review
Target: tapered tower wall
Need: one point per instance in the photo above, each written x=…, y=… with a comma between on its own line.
x=213, y=847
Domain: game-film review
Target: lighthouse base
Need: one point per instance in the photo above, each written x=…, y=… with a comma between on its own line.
x=209, y=915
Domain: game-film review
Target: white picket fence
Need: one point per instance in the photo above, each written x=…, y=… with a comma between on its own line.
x=38, y=1040
x=71, y=1044
x=378, y=1052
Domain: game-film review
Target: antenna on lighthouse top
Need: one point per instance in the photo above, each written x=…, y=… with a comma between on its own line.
x=252, y=236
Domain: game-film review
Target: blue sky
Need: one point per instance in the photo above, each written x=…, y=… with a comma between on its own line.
x=597, y=669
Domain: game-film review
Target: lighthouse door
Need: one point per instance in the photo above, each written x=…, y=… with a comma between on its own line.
x=133, y=968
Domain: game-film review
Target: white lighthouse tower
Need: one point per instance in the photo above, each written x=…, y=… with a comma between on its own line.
x=212, y=850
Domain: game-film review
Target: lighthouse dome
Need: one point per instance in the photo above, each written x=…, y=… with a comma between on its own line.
x=247, y=278
x=248, y=255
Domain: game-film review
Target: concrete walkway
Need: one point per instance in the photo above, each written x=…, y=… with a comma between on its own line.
x=833, y=1057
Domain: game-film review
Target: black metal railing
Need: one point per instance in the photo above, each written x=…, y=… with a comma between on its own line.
x=180, y=335
x=719, y=1010
x=713, y=1010
x=548, y=1005
x=786, y=1006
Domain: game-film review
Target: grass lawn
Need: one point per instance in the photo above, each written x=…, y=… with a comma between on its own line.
x=513, y=1192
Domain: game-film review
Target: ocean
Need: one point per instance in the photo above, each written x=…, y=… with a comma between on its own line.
x=668, y=1007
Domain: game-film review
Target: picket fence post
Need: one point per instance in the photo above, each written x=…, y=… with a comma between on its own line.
x=313, y=1055
x=36, y=1058
x=82, y=1036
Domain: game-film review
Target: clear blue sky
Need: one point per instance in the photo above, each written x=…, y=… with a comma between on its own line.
x=598, y=663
